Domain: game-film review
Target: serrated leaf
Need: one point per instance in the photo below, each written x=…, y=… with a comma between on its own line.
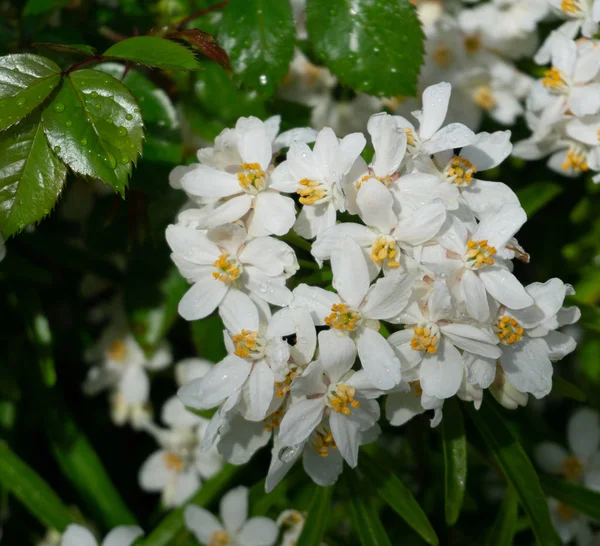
x=25, y=82
x=154, y=51
x=94, y=124
x=31, y=176
x=503, y=529
x=574, y=495
x=391, y=489
x=375, y=46
x=319, y=513
x=517, y=468
x=455, y=459
x=27, y=486
x=564, y=389
x=535, y=196
x=259, y=36
x=205, y=43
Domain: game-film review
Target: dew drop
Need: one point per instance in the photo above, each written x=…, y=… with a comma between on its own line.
x=20, y=102
x=94, y=95
x=122, y=131
x=124, y=160
x=137, y=111
x=111, y=160
x=56, y=149
x=84, y=141
x=128, y=117
x=263, y=79
x=97, y=106
x=286, y=454
x=69, y=123
x=109, y=121
x=59, y=107
x=393, y=70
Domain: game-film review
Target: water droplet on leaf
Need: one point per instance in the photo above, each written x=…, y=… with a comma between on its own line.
x=56, y=149
x=84, y=141
x=20, y=102
x=59, y=107
x=122, y=131
x=111, y=160
x=128, y=117
x=69, y=123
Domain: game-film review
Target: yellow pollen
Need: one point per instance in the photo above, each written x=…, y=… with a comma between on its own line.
x=554, y=79
x=251, y=177
x=576, y=161
x=570, y=6
x=311, y=192
x=460, y=171
x=410, y=138
x=342, y=317
x=393, y=103
x=509, y=330
x=417, y=390
x=273, y=421
x=246, y=344
x=117, y=351
x=565, y=512
x=173, y=462
x=598, y=134
x=283, y=387
x=484, y=97
x=342, y=397
x=472, y=44
x=479, y=254
x=571, y=468
x=384, y=249
x=227, y=269
x=385, y=180
x=424, y=340
x=219, y=538
x=323, y=442
x=442, y=56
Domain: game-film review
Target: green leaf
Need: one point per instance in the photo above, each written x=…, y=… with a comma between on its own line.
x=31, y=176
x=364, y=516
x=39, y=498
x=95, y=126
x=319, y=513
x=154, y=51
x=207, y=336
x=517, y=469
x=455, y=459
x=205, y=43
x=259, y=36
x=536, y=196
x=504, y=527
x=375, y=46
x=39, y=7
x=391, y=489
x=574, y=495
x=25, y=82
x=564, y=389
x=590, y=314
x=171, y=525
x=72, y=49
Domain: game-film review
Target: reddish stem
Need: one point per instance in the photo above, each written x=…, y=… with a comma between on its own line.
x=202, y=12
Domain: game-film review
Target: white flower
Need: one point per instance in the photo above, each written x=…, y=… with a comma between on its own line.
x=401, y=406
x=225, y=260
x=570, y=524
x=236, y=528
x=292, y=523
x=581, y=15
x=356, y=308
x=76, y=535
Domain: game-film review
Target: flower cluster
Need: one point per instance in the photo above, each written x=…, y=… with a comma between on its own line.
x=423, y=304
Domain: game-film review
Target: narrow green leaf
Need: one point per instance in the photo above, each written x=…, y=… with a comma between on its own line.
x=259, y=36
x=319, y=513
x=365, y=518
x=574, y=495
x=590, y=314
x=536, y=196
x=39, y=498
x=375, y=46
x=95, y=126
x=31, y=176
x=154, y=51
x=25, y=82
x=39, y=7
x=517, y=468
x=171, y=525
x=72, y=49
x=455, y=459
x=505, y=525
x=391, y=489
x=564, y=389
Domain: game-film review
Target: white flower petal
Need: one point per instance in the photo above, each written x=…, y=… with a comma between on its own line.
x=238, y=312
x=154, y=475
x=583, y=432
x=202, y=298
x=505, y=287
x=389, y=141
x=442, y=373
x=422, y=226
x=301, y=163
x=206, y=182
x=324, y=471
x=201, y=522
x=350, y=272
x=260, y=387
x=455, y=135
x=375, y=204
x=474, y=295
x=259, y=531
x=234, y=509
x=315, y=300
x=378, y=359
x=273, y=214
x=314, y=219
x=387, y=297
x=269, y=289
x=255, y=147
x=346, y=436
x=231, y=210
x=527, y=366
x=337, y=353
x=330, y=238
x=488, y=150
x=192, y=245
x=300, y=420
x=135, y=385
x=401, y=407
x=124, y=535
x=550, y=456
x=435, y=106
x=241, y=439
x=472, y=339
x=76, y=535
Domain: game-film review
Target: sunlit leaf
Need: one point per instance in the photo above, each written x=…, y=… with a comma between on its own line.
x=455, y=459
x=536, y=196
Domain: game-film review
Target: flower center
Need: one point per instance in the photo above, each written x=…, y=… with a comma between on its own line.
x=472, y=44
x=509, y=330
x=117, y=351
x=575, y=160
x=565, y=512
x=341, y=397
x=571, y=468
x=460, y=171
x=570, y=6
x=484, y=97
x=479, y=254
x=323, y=441
x=426, y=338
x=219, y=538
x=312, y=192
x=554, y=79
x=273, y=421
x=251, y=177
x=283, y=387
x=248, y=345
x=228, y=269
x=384, y=248
x=173, y=462
x=343, y=317
x=442, y=56
x=385, y=180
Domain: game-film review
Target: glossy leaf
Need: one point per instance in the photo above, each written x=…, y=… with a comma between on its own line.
x=94, y=125
x=205, y=43
x=72, y=49
x=25, y=82
x=391, y=489
x=503, y=529
x=455, y=459
x=154, y=51
x=259, y=37
x=319, y=513
x=574, y=495
x=207, y=335
x=564, y=389
x=536, y=196
x=31, y=176
x=375, y=46
x=517, y=469
x=27, y=486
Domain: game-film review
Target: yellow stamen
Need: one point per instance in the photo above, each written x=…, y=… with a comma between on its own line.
x=117, y=351
x=342, y=397
x=460, y=171
x=247, y=344
x=228, y=269
x=509, y=330
x=484, y=97
x=393, y=103
x=576, y=161
x=384, y=249
x=565, y=512
x=251, y=177
x=442, y=56
x=219, y=538
x=425, y=339
x=273, y=421
x=417, y=390
x=323, y=442
x=472, y=44
x=479, y=254
x=342, y=317
x=410, y=138
x=554, y=79
x=571, y=468
x=283, y=387
x=311, y=191
x=173, y=462
x=570, y=6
